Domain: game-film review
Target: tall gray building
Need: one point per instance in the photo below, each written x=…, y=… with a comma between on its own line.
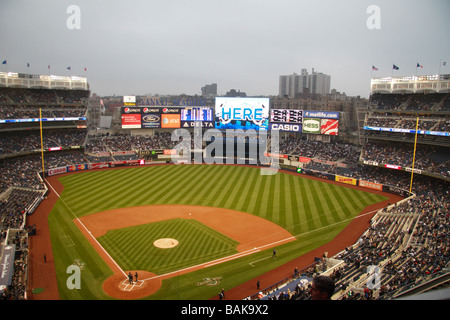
x=294, y=84
x=209, y=90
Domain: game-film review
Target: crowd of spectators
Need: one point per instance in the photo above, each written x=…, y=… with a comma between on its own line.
x=409, y=242
x=422, y=102
x=14, y=206
x=427, y=123
x=329, y=151
x=123, y=142
x=27, y=112
x=24, y=96
x=22, y=142
x=17, y=289
x=428, y=158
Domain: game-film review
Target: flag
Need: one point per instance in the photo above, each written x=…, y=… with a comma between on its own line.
x=69, y=68
x=419, y=66
x=4, y=62
x=444, y=63
x=374, y=68
x=28, y=64
x=395, y=67
x=49, y=66
x=85, y=69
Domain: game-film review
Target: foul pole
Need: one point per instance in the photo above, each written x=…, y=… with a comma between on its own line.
x=414, y=155
x=42, y=143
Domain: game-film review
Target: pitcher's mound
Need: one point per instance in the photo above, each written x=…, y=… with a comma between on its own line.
x=165, y=243
x=118, y=286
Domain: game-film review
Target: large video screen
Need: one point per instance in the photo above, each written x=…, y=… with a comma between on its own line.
x=197, y=114
x=242, y=113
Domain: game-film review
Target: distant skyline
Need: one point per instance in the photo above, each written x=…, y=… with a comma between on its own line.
x=139, y=47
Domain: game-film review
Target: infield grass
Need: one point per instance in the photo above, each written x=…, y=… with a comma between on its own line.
x=132, y=247
x=313, y=211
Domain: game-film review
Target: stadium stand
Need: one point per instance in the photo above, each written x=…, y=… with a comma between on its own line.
x=408, y=242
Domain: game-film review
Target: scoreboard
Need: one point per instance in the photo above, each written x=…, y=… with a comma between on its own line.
x=286, y=116
x=286, y=120
x=305, y=121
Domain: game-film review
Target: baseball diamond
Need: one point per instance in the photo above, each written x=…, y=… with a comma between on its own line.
x=113, y=218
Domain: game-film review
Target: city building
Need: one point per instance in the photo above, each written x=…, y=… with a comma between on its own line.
x=297, y=84
x=209, y=90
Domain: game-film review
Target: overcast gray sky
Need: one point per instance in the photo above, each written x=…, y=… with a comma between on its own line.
x=139, y=47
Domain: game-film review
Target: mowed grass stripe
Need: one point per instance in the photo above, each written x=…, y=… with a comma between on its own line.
x=342, y=203
x=233, y=188
x=301, y=224
x=166, y=188
x=230, y=181
x=148, y=183
x=246, y=191
x=354, y=201
x=273, y=214
x=336, y=212
x=261, y=206
x=319, y=204
x=203, y=196
x=307, y=199
x=327, y=203
x=191, y=194
x=294, y=217
x=238, y=189
x=253, y=197
x=219, y=187
x=154, y=187
x=106, y=193
x=284, y=209
x=184, y=187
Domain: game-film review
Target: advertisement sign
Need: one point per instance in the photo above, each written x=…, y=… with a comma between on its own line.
x=311, y=125
x=129, y=100
x=7, y=265
x=370, y=185
x=131, y=121
x=346, y=180
x=242, y=113
x=197, y=124
x=286, y=127
x=170, y=121
x=321, y=114
x=52, y=172
x=151, y=121
x=329, y=127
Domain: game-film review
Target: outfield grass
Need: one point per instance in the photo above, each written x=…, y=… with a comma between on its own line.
x=313, y=211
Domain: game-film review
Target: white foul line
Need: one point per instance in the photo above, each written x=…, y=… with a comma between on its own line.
x=90, y=234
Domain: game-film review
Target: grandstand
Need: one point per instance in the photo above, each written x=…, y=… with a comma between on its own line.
x=408, y=242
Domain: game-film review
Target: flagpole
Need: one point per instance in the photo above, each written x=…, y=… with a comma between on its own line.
x=414, y=155
x=392, y=78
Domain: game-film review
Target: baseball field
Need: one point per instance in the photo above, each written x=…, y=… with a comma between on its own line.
x=189, y=230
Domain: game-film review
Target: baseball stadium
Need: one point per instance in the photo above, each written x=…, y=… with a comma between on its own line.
x=237, y=198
